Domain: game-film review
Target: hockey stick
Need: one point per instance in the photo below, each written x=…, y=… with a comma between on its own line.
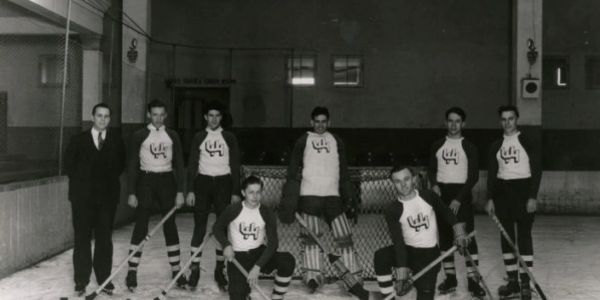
x=347, y=277
x=519, y=258
x=241, y=269
x=163, y=293
x=133, y=252
x=432, y=264
x=479, y=276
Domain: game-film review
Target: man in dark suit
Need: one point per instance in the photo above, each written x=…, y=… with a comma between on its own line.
x=94, y=160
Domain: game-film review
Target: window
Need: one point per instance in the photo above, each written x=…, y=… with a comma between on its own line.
x=555, y=73
x=347, y=71
x=51, y=70
x=301, y=70
x=592, y=72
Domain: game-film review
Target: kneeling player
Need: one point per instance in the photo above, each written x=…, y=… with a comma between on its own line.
x=414, y=232
x=243, y=229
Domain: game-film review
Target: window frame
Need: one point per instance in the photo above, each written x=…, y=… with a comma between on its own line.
x=361, y=72
x=290, y=72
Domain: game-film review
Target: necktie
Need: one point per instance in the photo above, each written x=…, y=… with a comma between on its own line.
x=100, y=141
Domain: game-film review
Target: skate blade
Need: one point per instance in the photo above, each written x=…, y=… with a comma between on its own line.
x=109, y=293
x=448, y=292
x=509, y=297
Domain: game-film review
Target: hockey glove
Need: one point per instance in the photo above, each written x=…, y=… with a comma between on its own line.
x=352, y=211
x=289, y=201
x=403, y=283
x=460, y=238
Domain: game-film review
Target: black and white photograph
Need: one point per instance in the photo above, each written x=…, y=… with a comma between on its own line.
x=299, y=149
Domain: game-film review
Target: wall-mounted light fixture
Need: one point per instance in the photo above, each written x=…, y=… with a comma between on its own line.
x=532, y=53
x=132, y=54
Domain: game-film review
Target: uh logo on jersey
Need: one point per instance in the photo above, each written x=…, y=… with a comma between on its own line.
x=510, y=153
x=214, y=147
x=421, y=221
x=450, y=156
x=159, y=149
x=249, y=230
x=320, y=145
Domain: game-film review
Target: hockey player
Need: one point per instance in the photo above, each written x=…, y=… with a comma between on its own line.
x=413, y=230
x=453, y=171
x=242, y=230
x=514, y=174
x=319, y=184
x=155, y=175
x=214, y=181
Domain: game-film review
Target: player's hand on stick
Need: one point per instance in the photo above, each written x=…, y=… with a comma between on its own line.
x=531, y=205
x=436, y=190
x=235, y=198
x=454, y=206
x=403, y=284
x=179, y=200
x=132, y=201
x=460, y=237
x=190, y=200
x=489, y=207
x=253, y=275
x=228, y=253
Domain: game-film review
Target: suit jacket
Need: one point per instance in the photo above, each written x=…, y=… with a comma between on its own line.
x=80, y=159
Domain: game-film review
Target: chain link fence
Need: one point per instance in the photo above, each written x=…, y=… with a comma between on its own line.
x=370, y=233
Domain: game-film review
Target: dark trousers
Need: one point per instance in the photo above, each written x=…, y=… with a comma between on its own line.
x=417, y=259
x=92, y=218
x=510, y=205
x=210, y=191
x=239, y=289
x=159, y=188
x=329, y=207
x=465, y=215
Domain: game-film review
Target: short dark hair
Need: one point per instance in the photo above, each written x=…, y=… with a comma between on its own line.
x=456, y=110
x=399, y=167
x=155, y=103
x=101, y=105
x=213, y=105
x=319, y=110
x=505, y=108
x=251, y=180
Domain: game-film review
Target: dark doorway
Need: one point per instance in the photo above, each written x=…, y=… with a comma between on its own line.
x=189, y=103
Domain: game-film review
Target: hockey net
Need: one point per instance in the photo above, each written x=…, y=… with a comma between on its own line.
x=370, y=233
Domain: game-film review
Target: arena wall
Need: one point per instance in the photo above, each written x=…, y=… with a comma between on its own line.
x=35, y=221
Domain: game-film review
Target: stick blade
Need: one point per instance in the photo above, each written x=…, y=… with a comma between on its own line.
x=91, y=296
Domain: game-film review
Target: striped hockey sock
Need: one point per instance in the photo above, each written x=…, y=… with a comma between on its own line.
x=510, y=262
x=386, y=284
x=134, y=261
x=195, y=260
x=470, y=269
x=281, y=286
x=174, y=253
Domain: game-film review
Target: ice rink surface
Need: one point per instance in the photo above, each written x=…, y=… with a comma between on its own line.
x=567, y=266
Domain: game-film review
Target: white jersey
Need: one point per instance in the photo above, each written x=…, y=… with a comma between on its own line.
x=321, y=167
x=247, y=231
x=418, y=222
x=156, y=152
x=214, y=154
x=452, y=162
x=513, y=161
